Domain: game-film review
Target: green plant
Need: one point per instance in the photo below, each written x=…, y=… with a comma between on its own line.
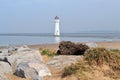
x=47, y=52
x=98, y=56
x=115, y=52
x=78, y=68
x=70, y=70
x=102, y=56
x=95, y=59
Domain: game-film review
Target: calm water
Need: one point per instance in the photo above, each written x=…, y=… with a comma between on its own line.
x=21, y=39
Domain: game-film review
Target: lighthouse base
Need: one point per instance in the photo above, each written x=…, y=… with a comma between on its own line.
x=57, y=35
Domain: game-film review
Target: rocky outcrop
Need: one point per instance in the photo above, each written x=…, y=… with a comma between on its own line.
x=25, y=63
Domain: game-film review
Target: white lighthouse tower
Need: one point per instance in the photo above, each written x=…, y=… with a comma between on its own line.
x=57, y=30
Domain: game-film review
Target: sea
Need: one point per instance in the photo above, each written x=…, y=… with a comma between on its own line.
x=12, y=39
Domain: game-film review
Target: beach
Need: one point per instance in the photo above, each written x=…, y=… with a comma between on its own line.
x=55, y=46
x=110, y=44
x=57, y=73
x=106, y=44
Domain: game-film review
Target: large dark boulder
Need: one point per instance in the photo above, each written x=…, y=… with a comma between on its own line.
x=70, y=48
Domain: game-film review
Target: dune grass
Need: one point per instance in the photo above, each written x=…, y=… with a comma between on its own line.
x=95, y=59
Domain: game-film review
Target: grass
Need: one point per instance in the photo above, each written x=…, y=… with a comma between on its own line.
x=116, y=54
x=96, y=57
x=70, y=70
x=47, y=52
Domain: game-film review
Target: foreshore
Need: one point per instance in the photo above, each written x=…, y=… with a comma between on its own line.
x=62, y=60
x=106, y=44
x=109, y=44
x=53, y=46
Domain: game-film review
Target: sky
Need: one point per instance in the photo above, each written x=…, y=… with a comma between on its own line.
x=37, y=16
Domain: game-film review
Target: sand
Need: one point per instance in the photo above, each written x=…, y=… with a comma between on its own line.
x=110, y=45
x=113, y=45
x=55, y=47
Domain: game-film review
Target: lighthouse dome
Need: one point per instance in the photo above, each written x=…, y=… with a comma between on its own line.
x=56, y=17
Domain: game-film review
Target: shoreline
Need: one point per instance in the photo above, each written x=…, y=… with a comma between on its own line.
x=54, y=46
x=104, y=44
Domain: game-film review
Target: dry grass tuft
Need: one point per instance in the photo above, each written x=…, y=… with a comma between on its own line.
x=100, y=60
x=98, y=56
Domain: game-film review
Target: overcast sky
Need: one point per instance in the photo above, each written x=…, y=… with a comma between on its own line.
x=37, y=16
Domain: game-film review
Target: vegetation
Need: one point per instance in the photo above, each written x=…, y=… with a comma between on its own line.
x=96, y=59
x=98, y=56
x=70, y=70
x=47, y=52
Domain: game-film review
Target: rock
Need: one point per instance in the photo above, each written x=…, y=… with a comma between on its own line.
x=4, y=52
x=91, y=45
x=3, y=77
x=70, y=48
x=4, y=59
x=0, y=51
x=26, y=63
x=40, y=68
x=18, y=49
x=25, y=56
x=24, y=71
x=23, y=48
x=62, y=61
x=32, y=70
x=12, y=48
x=4, y=68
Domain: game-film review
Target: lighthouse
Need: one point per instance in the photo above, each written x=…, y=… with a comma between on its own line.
x=57, y=30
